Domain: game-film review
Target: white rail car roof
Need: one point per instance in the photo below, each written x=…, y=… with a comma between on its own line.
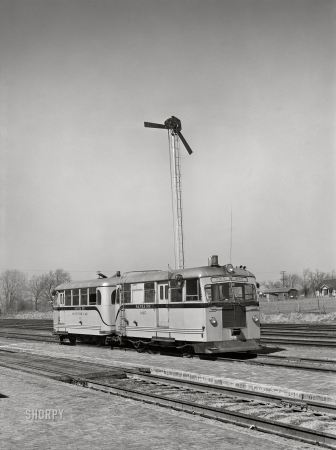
x=155, y=276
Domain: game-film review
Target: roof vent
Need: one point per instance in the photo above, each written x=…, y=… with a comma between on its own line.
x=213, y=261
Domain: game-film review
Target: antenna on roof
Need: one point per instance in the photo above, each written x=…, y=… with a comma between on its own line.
x=231, y=238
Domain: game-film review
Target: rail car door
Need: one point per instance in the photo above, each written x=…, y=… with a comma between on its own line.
x=162, y=299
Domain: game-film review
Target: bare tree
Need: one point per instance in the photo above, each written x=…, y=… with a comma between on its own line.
x=331, y=275
x=272, y=284
x=305, y=282
x=13, y=284
x=315, y=278
x=292, y=280
x=36, y=286
x=52, y=280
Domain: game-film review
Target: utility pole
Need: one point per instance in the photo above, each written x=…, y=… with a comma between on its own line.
x=283, y=277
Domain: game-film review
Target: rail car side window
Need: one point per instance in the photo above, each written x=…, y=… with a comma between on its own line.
x=164, y=292
x=149, y=292
x=193, y=292
x=67, y=297
x=118, y=296
x=113, y=297
x=61, y=298
x=83, y=296
x=175, y=292
x=75, y=297
x=126, y=293
x=138, y=293
x=92, y=296
x=98, y=297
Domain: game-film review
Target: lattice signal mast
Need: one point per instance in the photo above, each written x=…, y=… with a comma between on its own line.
x=174, y=127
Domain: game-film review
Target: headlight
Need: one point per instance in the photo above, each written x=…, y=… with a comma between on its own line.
x=229, y=268
x=213, y=322
x=255, y=319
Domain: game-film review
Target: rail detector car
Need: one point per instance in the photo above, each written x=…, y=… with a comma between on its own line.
x=210, y=309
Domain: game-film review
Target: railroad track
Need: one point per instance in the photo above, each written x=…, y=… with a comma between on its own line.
x=27, y=324
x=28, y=336
x=320, y=365
x=323, y=335
x=240, y=407
x=289, y=362
x=289, y=334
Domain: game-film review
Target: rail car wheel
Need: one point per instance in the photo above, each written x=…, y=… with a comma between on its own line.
x=187, y=351
x=72, y=340
x=140, y=347
x=153, y=352
x=100, y=341
x=61, y=339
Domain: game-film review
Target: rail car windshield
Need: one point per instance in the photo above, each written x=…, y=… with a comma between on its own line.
x=230, y=292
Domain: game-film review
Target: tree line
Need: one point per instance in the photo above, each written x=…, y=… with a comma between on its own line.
x=306, y=283
x=18, y=292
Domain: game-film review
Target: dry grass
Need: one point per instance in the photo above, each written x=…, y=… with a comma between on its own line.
x=29, y=315
x=293, y=317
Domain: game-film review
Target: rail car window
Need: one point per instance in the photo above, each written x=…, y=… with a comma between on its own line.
x=250, y=292
x=126, y=293
x=149, y=292
x=61, y=298
x=193, y=290
x=230, y=292
x=113, y=297
x=98, y=297
x=164, y=292
x=176, y=295
x=92, y=296
x=83, y=297
x=67, y=297
x=175, y=291
x=137, y=293
x=75, y=297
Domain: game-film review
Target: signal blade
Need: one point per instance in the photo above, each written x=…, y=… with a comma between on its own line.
x=154, y=125
x=184, y=142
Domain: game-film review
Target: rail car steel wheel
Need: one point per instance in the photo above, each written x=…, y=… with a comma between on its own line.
x=187, y=351
x=140, y=346
x=100, y=341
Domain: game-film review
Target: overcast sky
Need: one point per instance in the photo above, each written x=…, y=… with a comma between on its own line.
x=85, y=187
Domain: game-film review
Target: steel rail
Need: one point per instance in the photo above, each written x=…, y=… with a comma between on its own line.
x=289, y=365
x=221, y=414
x=292, y=341
x=239, y=393
x=36, y=337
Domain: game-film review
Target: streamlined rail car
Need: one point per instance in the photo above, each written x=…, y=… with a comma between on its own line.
x=210, y=309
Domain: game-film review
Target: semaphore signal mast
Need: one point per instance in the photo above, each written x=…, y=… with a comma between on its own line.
x=174, y=127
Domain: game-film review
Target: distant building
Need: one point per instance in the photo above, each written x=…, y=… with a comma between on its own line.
x=327, y=288
x=278, y=293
